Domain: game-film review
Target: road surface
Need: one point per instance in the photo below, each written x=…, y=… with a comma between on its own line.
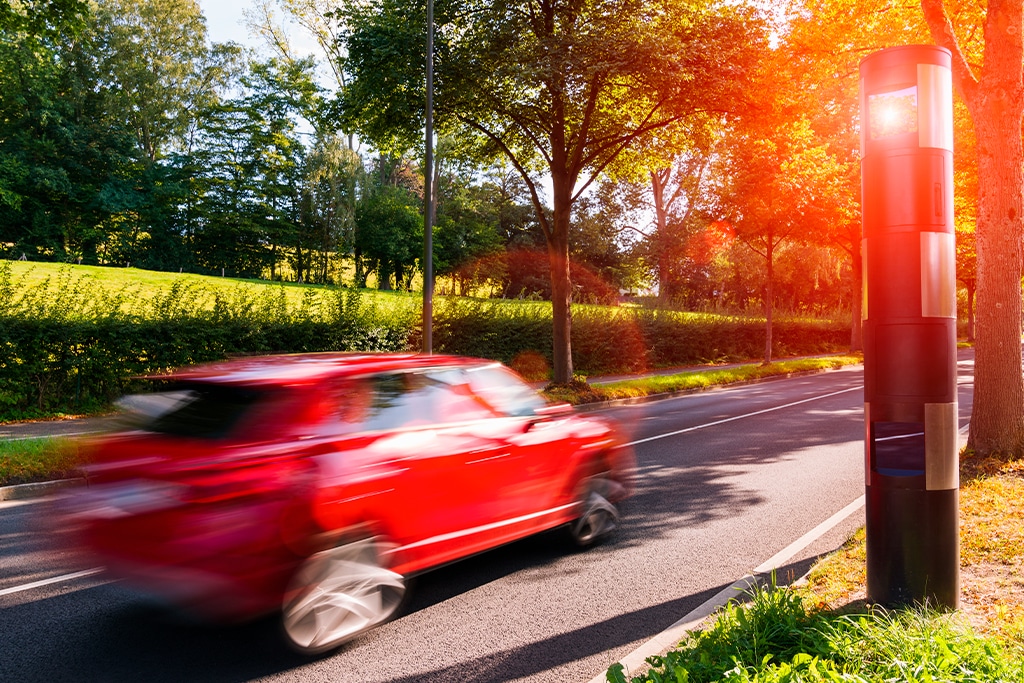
x=728, y=478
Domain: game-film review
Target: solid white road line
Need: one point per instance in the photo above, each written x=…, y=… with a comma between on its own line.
x=744, y=416
x=46, y=582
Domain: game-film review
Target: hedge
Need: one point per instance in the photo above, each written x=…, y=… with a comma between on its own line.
x=70, y=347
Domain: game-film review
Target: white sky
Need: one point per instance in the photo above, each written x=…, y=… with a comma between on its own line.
x=224, y=21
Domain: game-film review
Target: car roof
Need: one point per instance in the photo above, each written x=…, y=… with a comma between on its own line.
x=309, y=368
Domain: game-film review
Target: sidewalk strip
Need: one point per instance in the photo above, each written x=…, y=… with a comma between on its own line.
x=46, y=582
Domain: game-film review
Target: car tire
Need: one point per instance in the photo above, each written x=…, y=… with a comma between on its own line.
x=337, y=594
x=599, y=517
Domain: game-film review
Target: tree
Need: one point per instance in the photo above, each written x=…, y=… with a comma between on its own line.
x=994, y=93
x=821, y=46
x=250, y=159
x=332, y=176
x=319, y=19
x=553, y=86
x=389, y=234
x=155, y=58
x=65, y=164
x=777, y=192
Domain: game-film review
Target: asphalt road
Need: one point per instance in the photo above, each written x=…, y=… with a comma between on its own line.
x=728, y=478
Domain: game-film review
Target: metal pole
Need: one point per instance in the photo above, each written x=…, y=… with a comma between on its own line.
x=428, y=210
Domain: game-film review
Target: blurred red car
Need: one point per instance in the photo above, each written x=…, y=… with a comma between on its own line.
x=315, y=485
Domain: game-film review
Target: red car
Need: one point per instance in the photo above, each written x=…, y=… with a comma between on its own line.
x=315, y=485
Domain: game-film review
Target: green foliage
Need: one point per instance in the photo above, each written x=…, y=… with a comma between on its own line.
x=389, y=233
x=777, y=639
x=31, y=460
x=68, y=345
x=71, y=338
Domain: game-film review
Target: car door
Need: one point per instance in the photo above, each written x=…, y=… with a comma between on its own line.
x=443, y=505
x=541, y=444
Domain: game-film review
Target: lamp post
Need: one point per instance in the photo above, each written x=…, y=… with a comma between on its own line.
x=428, y=189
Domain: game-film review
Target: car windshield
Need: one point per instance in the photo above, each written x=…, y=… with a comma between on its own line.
x=204, y=411
x=505, y=391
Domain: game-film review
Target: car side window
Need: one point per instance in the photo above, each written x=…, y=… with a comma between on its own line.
x=504, y=390
x=413, y=399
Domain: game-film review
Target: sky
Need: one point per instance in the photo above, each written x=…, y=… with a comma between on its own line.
x=224, y=21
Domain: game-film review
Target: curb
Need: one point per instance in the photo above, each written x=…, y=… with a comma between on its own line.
x=36, y=489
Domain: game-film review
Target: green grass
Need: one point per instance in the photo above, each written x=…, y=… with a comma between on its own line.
x=139, y=289
x=30, y=460
x=694, y=380
x=777, y=638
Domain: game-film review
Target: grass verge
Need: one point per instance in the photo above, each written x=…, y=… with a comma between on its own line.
x=580, y=392
x=824, y=630
x=31, y=460
x=777, y=637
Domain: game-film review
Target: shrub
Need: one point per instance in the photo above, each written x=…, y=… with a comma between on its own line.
x=68, y=345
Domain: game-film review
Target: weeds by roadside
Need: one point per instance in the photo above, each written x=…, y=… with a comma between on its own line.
x=32, y=460
x=826, y=631
x=777, y=637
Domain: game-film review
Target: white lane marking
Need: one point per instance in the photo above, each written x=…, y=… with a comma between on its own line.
x=744, y=416
x=46, y=582
x=790, y=551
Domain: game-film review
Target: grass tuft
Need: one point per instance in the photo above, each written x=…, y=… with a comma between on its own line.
x=777, y=637
x=31, y=460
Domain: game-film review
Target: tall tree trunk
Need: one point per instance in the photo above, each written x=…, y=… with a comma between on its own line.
x=970, y=311
x=997, y=423
x=561, y=289
x=995, y=100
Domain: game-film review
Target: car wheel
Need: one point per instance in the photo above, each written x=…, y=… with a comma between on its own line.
x=338, y=594
x=598, y=517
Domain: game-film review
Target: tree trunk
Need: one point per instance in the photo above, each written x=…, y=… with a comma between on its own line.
x=970, y=311
x=561, y=283
x=561, y=299
x=997, y=423
x=995, y=101
x=769, y=302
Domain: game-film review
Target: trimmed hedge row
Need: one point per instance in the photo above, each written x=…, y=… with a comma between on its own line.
x=68, y=347
x=611, y=341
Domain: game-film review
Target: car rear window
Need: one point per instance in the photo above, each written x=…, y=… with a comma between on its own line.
x=205, y=411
